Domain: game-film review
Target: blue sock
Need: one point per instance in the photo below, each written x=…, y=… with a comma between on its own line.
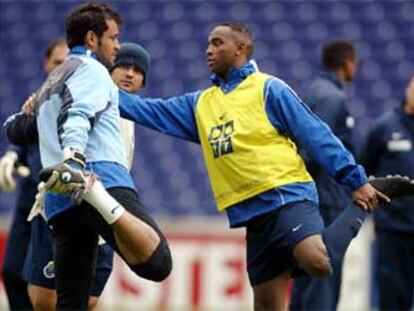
x=340, y=233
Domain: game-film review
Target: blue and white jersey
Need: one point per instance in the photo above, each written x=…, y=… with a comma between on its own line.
x=77, y=107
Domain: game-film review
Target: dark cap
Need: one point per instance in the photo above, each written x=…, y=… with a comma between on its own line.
x=134, y=54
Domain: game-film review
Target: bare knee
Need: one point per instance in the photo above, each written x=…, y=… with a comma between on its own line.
x=42, y=298
x=319, y=266
x=312, y=256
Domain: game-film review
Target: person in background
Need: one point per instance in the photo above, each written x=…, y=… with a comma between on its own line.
x=327, y=99
x=389, y=150
x=12, y=163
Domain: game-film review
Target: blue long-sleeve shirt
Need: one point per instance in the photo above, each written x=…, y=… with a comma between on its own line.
x=388, y=151
x=288, y=114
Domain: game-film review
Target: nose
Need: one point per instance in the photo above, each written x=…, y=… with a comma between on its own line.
x=209, y=51
x=130, y=73
x=117, y=46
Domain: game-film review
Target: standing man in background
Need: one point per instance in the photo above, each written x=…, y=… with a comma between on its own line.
x=389, y=150
x=327, y=99
x=19, y=233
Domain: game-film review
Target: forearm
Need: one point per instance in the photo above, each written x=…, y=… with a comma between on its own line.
x=21, y=129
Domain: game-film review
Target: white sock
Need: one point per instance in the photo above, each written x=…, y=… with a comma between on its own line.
x=103, y=202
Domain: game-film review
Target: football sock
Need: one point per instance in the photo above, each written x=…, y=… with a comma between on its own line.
x=340, y=233
x=103, y=202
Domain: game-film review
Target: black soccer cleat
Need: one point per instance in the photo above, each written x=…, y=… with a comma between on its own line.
x=393, y=186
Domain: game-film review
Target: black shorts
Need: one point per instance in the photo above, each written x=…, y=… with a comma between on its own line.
x=75, y=237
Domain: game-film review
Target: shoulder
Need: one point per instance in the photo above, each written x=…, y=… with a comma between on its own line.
x=325, y=87
x=275, y=84
x=324, y=91
x=91, y=65
x=90, y=71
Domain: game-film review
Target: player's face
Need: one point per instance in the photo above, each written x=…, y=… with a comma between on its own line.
x=350, y=69
x=56, y=58
x=108, y=44
x=222, y=50
x=128, y=77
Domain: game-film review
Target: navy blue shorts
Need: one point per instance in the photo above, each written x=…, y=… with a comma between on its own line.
x=271, y=238
x=39, y=267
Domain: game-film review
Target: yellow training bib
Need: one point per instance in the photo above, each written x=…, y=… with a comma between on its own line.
x=244, y=153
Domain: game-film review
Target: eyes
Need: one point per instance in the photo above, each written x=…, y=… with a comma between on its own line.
x=215, y=42
x=114, y=38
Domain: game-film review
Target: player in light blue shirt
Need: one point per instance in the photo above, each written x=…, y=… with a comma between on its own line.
x=78, y=122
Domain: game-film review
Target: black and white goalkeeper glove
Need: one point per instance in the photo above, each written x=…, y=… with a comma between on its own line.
x=66, y=177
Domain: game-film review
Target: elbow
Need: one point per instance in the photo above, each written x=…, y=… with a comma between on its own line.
x=12, y=137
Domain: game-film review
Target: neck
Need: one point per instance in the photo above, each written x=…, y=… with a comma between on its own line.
x=237, y=65
x=340, y=74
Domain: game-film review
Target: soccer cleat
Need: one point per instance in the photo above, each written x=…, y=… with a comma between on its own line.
x=393, y=186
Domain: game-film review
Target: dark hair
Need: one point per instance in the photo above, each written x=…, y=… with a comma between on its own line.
x=244, y=31
x=336, y=53
x=89, y=16
x=52, y=45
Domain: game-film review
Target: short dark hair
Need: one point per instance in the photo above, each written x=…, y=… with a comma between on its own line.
x=244, y=31
x=89, y=16
x=52, y=45
x=336, y=53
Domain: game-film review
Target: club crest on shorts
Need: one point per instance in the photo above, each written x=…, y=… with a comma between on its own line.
x=49, y=270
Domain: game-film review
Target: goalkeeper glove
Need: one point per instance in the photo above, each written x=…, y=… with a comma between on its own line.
x=66, y=177
x=8, y=167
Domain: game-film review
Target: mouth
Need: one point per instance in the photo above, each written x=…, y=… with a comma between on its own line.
x=210, y=62
x=126, y=83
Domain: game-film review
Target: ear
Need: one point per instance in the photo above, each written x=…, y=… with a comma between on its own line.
x=91, y=40
x=241, y=48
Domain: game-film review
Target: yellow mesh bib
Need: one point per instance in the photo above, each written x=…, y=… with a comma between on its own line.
x=244, y=153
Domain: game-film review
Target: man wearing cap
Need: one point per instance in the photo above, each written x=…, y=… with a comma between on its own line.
x=130, y=72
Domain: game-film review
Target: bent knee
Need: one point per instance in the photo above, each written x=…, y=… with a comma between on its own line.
x=313, y=257
x=158, y=267
x=319, y=266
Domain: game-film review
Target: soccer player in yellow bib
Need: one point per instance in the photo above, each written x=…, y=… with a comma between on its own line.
x=248, y=124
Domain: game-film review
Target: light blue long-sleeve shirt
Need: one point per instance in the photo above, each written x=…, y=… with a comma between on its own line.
x=288, y=114
x=77, y=107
